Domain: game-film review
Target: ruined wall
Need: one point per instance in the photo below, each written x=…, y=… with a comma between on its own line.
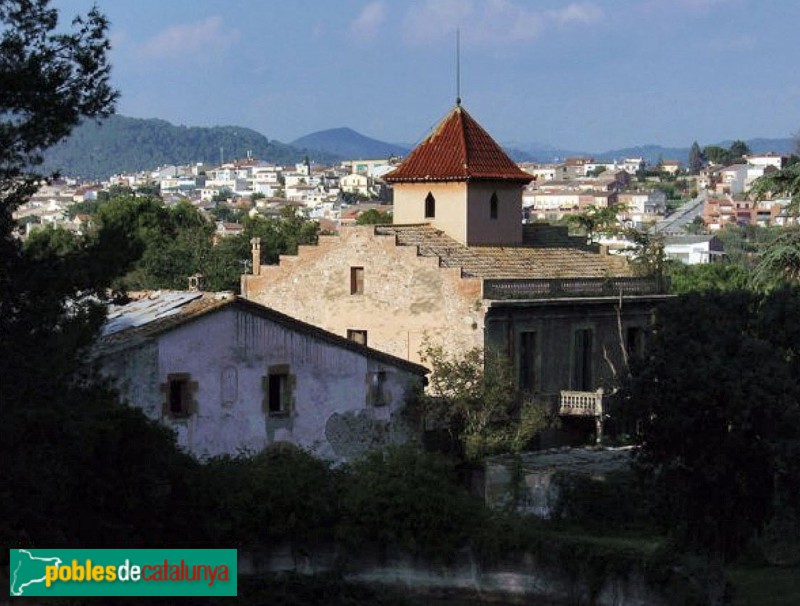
x=227, y=355
x=405, y=297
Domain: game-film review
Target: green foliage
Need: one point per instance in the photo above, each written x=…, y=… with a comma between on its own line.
x=373, y=216
x=779, y=263
x=707, y=276
x=696, y=159
x=475, y=397
x=647, y=253
x=282, y=494
x=717, y=401
x=51, y=79
x=614, y=501
x=404, y=497
x=784, y=182
x=596, y=220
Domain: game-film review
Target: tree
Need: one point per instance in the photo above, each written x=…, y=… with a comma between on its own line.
x=717, y=155
x=707, y=276
x=474, y=396
x=779, y=263
x=784, y=182
x=696, y=159
x=79, y=464
x=597, y=220
x=374, y=216
x=716, y=398
x=738, y=150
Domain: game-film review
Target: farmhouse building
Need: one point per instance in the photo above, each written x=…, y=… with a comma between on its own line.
x=231, y=376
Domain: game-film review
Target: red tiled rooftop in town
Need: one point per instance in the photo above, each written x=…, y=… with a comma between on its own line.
x=459, y=149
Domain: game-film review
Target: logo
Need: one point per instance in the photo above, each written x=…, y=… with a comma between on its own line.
x=122, y=572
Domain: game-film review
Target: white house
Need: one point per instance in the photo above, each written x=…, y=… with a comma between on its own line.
x=229, y=376
x=693, y=250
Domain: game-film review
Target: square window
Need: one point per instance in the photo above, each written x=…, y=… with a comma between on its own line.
x=359, y=336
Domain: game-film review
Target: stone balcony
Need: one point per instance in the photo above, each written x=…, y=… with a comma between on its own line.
x=499, y=289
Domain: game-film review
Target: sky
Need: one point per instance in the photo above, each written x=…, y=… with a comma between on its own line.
x=590, y=75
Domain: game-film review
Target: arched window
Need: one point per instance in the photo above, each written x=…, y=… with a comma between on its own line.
x=493, y=206
x=430, y=206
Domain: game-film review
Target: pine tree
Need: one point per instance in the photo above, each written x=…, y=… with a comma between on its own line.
x=696, y=159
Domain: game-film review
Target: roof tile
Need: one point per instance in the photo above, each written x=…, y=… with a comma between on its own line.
x=459, y=149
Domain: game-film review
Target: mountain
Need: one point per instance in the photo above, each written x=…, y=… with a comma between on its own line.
x=348, y=144
x=120, y=144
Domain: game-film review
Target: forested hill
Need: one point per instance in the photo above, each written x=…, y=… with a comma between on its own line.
x=123, y=144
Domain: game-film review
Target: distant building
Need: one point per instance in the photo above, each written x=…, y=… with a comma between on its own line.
x=694, y=250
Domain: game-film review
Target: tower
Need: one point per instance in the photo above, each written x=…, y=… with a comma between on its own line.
x=461, y=181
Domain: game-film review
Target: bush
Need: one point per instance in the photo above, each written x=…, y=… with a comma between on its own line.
x=406, y=498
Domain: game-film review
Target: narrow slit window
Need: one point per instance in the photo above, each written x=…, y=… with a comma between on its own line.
x=430, y=206
x=493, y=206
x=356, y=280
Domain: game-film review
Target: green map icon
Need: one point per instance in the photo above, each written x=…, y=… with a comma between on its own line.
x=28, y=569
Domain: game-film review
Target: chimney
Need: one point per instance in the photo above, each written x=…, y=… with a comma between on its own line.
x=256, y=244
x=196, y=282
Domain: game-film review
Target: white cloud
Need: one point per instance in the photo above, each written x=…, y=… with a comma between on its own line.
x=189, y=38
x=583, y=12
x=491, y=22
x=369, y=21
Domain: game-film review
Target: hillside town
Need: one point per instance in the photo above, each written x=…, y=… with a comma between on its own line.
x=646, y=197
x=444, y=376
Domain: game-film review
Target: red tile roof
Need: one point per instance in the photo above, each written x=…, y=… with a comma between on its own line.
x=459, y=149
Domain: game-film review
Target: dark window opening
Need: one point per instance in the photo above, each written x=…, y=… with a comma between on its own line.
x=278, y=394
x=359, y=336
x=356, y=280
x=178, y=397
x=377, y=390
x=582, y=360
x=430, y=206
x=493, y=206
x=527, y=361
x=634, y=341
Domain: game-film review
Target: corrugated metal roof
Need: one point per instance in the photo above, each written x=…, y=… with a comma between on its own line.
x=154, y=306
x=459, y=149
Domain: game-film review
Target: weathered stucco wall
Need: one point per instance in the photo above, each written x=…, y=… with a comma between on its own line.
x=451, y=206
x=228, y=353
x=405, y=297
x=507, y=227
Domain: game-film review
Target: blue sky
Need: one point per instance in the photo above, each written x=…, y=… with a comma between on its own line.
x=589, y=75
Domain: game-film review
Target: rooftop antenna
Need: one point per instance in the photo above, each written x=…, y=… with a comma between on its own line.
x=458, y=66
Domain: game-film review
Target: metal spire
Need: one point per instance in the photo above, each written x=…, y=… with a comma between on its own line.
x=458, y=66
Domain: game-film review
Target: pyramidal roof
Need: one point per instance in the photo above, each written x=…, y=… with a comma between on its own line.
x=458, y=149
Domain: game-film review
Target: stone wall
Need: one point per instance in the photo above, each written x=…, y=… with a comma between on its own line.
x=519, y=575
x=405, y=298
